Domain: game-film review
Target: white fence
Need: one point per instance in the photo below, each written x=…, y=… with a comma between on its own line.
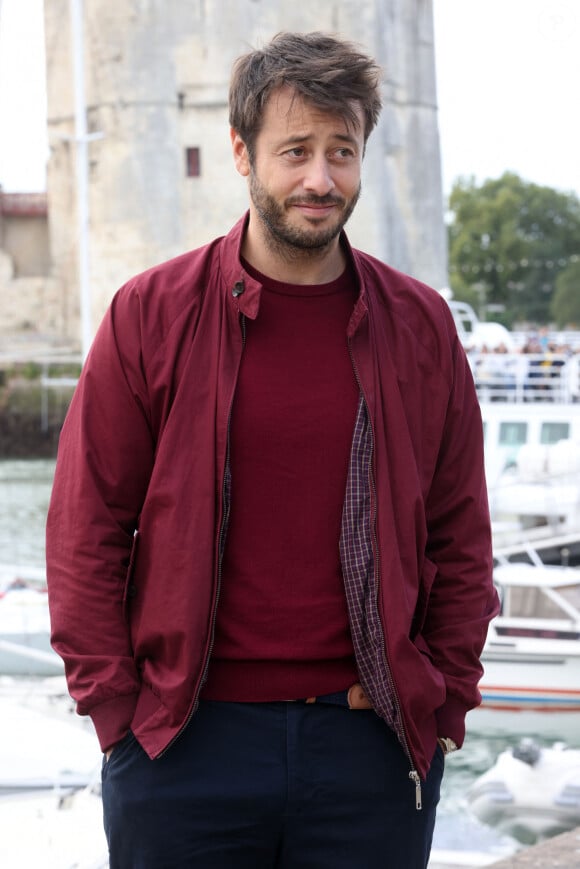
x=521, y=377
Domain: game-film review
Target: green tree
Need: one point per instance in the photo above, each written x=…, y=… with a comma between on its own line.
x=565, y=307
x=509, y=240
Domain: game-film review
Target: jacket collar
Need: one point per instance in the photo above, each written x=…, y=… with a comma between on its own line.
x=244, y=291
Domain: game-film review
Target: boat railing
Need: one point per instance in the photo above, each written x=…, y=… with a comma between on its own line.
x=520, y=377
x=23, y=651
x=541, y=545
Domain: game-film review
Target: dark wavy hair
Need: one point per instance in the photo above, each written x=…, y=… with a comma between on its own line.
x=331, y=74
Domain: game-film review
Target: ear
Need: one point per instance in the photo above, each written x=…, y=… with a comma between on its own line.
x=240, y=152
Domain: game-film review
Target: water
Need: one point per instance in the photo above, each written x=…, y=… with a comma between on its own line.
x=24, y=495
x=457, y=828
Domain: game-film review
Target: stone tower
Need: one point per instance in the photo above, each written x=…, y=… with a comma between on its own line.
x=162, y=178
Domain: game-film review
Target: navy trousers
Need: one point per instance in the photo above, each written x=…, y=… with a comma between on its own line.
x=270, y=786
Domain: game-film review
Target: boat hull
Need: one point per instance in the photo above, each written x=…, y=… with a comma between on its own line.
x=530, y=792
x=530, y=692
x=28, y=654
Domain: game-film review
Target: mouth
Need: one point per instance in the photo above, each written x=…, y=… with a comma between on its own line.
x=316, y=209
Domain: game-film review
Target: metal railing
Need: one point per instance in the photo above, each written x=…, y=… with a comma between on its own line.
x=519, y=377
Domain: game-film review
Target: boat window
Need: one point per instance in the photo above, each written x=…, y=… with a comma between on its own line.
x=552, y=432
x=513, y=433
x=571, y=594
x=532, y=603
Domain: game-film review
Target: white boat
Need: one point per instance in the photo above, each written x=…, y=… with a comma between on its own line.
x=45, y=745
x=50, y=805
x=532, y=448
x=531, y=434
x=31, y=574
x=53, y=831
x=529, y=394
x=530, y=404
x=531, y=659
x=530, y=793
x=537, y=492
x=25, y=624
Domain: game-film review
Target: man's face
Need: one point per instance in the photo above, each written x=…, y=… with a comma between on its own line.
x=304, y=180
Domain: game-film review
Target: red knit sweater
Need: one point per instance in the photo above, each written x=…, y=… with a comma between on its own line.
x=282, y=627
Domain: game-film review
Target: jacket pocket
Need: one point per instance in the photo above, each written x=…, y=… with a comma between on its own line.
x=427, y=579
x=130, y=589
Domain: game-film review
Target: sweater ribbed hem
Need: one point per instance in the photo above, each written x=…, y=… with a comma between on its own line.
x=267, y=681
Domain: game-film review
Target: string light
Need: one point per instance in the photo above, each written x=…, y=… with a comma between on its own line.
x=560, y=263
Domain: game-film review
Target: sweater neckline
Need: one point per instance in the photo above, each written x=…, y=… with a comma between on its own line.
x=341, y=284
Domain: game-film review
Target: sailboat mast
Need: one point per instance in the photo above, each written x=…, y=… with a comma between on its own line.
x=82, y=172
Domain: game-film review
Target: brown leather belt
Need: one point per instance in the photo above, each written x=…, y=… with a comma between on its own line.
x=353, y=697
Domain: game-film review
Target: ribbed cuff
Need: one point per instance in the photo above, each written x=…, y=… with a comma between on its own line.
x=112, y=719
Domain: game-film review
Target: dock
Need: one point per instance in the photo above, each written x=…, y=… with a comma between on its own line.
x=561, y=852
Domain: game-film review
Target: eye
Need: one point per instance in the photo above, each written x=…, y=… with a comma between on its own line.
x=344, y=153
x=296, y=152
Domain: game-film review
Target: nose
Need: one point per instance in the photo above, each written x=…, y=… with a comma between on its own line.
x=318, y=178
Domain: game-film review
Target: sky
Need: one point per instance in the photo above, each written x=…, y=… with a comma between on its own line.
x=507, y=73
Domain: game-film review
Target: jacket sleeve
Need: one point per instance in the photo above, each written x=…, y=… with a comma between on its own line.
x=463, y=598
x=103, y=467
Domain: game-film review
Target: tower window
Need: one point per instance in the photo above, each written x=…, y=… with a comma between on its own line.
x=192, y=162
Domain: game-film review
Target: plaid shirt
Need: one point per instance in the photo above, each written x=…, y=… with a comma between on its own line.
x=361, y=576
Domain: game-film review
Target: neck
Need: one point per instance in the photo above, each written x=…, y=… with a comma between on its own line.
x=290, y=264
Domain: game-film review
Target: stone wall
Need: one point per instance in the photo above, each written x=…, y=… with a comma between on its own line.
x=30, y=300
x=24, y=233
x=157, y=77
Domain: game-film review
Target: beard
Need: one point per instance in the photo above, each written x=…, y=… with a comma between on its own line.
x=292, y=241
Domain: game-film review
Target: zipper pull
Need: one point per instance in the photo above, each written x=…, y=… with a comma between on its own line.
x=413, y=775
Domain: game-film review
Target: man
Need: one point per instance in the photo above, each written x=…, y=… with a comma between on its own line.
x=268, y=541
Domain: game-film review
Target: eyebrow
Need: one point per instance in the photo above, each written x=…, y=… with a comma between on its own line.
x=297, y=140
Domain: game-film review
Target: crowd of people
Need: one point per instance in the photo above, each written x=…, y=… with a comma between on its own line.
x=542, y=368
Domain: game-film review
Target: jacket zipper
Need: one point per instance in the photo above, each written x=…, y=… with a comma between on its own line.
x=220, y=541
x=413, y=774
